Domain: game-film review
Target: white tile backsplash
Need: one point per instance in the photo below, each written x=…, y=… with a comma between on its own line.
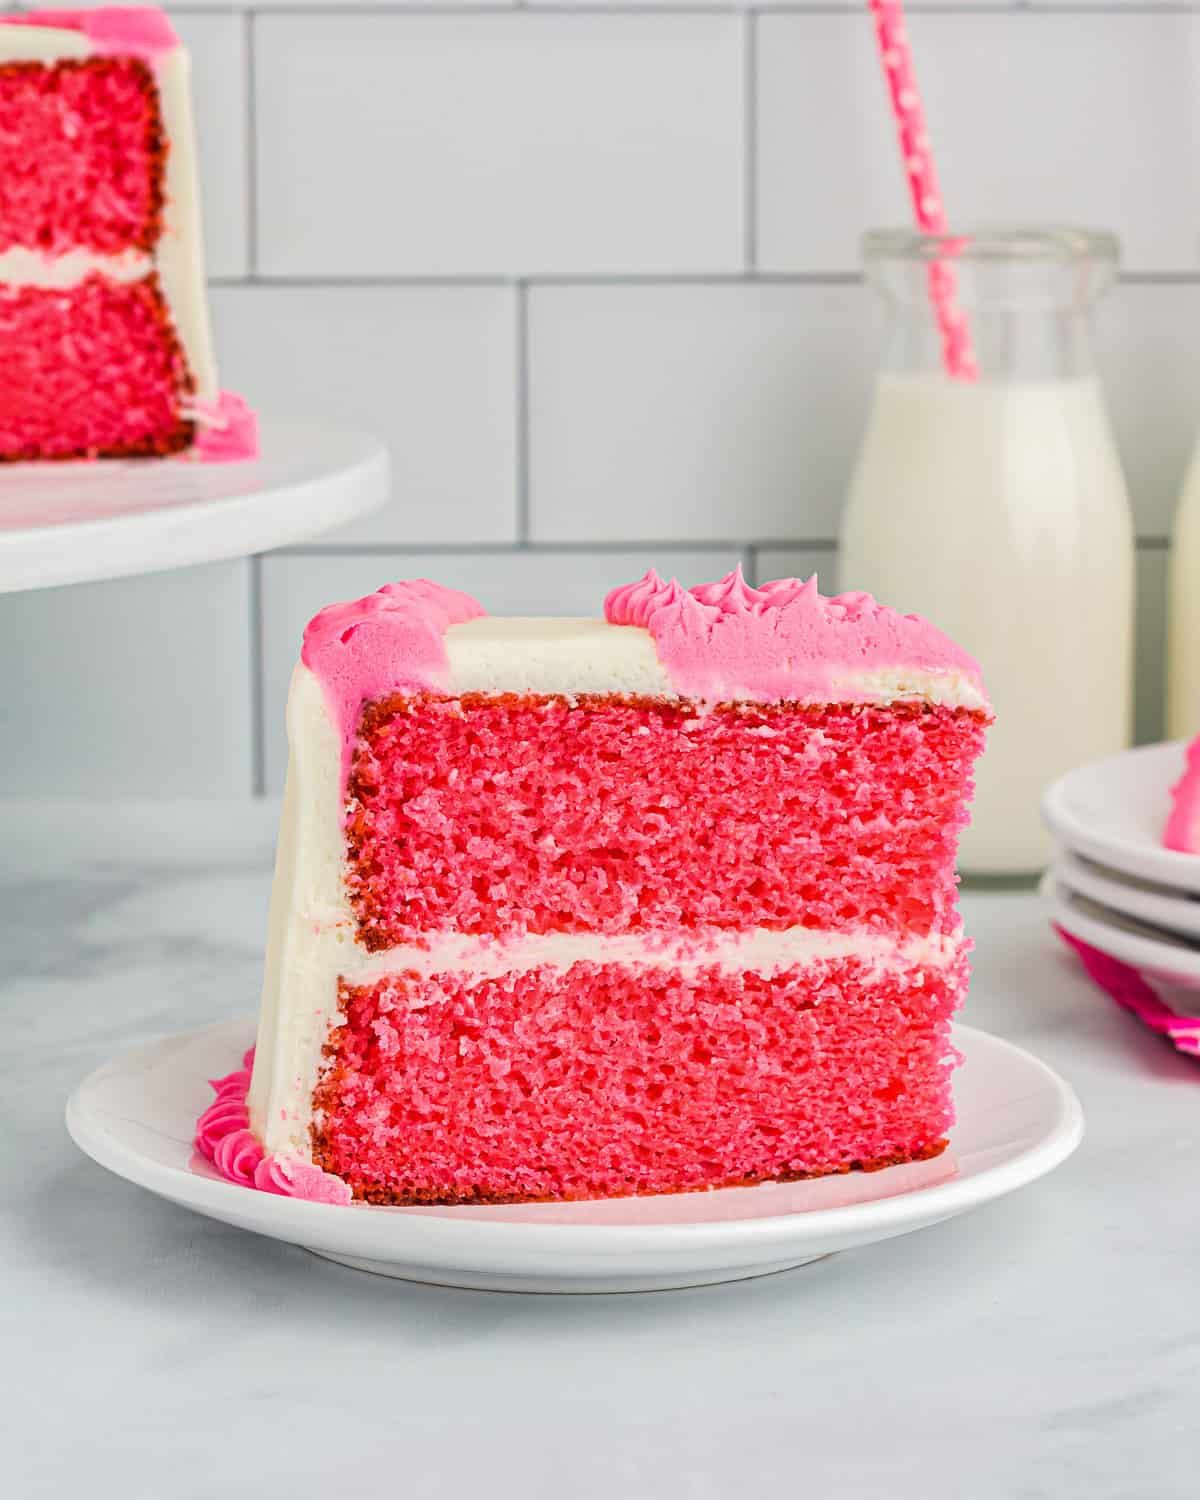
x=1034, y=117
x=431, y=370
x=684, y=412
x=586, y=267
x=217, y=47
x=466, y=145
x=514, y=583
x=136, y=688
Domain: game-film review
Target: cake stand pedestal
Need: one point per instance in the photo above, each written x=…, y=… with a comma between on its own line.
x=82, y=522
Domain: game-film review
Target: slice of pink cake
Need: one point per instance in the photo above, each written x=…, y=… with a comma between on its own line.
x=105, y=350
x=583, y=908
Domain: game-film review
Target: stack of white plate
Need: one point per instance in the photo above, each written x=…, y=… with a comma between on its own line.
x=1112, y=884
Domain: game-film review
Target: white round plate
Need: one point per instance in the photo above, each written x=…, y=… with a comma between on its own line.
x=1017, y=1120
x=74, y=522
x=1115, y=811
x=1143, y=947
x=1158, y=905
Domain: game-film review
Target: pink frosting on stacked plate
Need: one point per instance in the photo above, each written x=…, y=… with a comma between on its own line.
x=784, y=641
x=1183, y=825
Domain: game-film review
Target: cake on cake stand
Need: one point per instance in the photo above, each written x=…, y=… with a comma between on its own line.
x=83, y=522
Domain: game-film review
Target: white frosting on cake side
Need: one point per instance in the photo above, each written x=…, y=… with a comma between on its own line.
x=180, y=251
x=312, y=928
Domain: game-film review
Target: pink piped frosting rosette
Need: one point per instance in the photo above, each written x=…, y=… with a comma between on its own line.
x=223, y=1137
x=785, y=640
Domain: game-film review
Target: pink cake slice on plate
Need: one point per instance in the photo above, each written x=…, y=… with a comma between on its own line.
x=105, y=348
x=580, y=908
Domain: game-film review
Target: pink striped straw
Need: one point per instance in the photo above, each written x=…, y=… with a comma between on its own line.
x=927, y=203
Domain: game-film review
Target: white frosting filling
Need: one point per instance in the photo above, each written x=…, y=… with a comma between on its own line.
x=311, y=933
x=571, y=656
x=42, y=44
x=179, y=254
x=20, y=266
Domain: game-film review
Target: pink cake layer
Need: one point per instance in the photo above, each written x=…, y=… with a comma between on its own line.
x=92, y=371
x=507, y=815
x=605, y=1080
x=83, y=156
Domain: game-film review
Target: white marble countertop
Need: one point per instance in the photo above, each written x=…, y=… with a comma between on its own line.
x=1047, y=1345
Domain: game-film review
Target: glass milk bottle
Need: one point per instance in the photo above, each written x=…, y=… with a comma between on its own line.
x=997, y=508
x=1183, y=611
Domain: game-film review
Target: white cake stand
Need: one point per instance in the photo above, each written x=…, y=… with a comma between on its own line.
x=81, y=522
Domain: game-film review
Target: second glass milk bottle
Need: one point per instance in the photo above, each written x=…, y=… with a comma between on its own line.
x=997, y=508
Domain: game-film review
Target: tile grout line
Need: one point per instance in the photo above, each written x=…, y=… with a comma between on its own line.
x=250, y=120
x=403, y=8
x=549, y=549
x=750, y=144
x=586, y=280
x=258, y=707
x=522, y=414
x=700, y=545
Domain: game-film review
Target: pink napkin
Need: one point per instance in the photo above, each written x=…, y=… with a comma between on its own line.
x=1130, y=990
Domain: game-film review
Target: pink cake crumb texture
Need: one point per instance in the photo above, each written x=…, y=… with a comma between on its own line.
x=604, y=1080
x=223, y=1137
x=726, y=640
x=132, y=30
x=1183, y=825
x=93, y=371
x=83, y=156
x=512, y=815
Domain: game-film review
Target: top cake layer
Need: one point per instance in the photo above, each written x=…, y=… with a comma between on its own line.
x=79, y=103
x=723, y=642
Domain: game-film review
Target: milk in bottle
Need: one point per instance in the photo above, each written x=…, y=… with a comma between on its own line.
x=997, y=508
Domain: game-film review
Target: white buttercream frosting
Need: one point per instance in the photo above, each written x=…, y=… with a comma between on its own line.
x=575, y=656
x=20, y=266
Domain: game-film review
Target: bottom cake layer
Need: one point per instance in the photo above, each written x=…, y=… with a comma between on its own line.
x=602, y=1080
x=94, y=370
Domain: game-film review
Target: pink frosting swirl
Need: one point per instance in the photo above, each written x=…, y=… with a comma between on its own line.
x=636, y=603
x=223, y=1118
x=726, y=641
x=224, y=1137
x=732, y=594
x=238, y=1155
x=227, y=430
x=293, y=1177
x=393, y=641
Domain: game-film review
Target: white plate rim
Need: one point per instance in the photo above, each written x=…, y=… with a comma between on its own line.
x=1176, y=912
x=441, y=1234
x=1146, y=858
x=1160, y=957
